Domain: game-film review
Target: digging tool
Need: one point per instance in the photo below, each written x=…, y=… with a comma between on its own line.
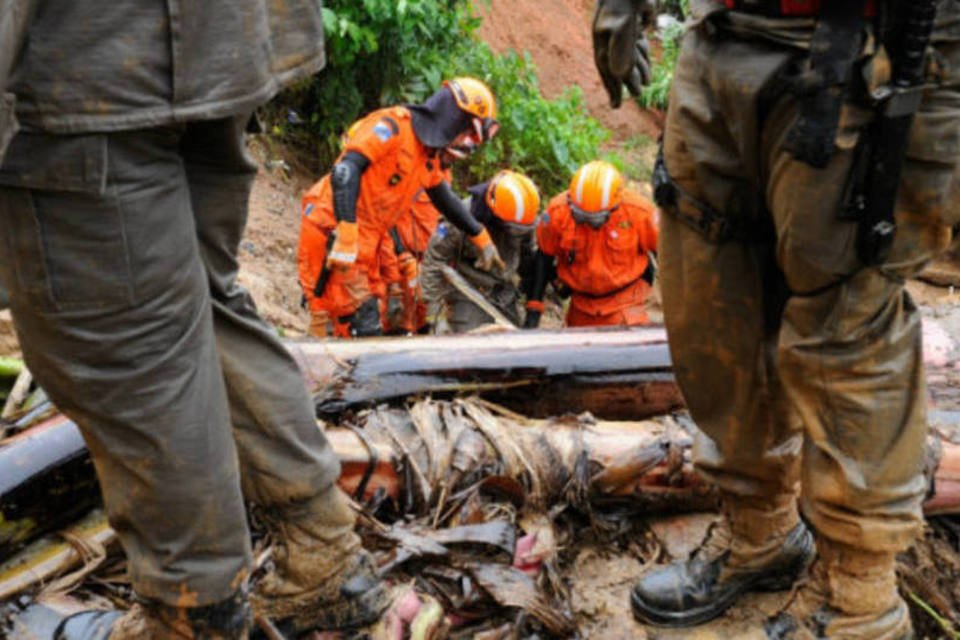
x=460, y=284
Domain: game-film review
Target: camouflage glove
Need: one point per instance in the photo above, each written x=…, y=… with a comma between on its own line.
x=620, y=48
x=489, y=256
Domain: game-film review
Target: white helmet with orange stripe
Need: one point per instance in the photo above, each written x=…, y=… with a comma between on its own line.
x=595, y=191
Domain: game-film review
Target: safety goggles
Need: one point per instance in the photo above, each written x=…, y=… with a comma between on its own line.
x=595, y=219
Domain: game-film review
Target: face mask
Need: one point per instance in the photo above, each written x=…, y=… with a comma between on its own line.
x=594, y=219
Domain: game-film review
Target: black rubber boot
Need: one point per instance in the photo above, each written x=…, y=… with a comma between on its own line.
x=693, y=591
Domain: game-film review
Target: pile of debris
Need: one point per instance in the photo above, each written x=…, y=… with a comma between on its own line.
x=478, y=487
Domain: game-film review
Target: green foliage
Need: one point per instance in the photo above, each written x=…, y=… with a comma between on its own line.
x=635, y=157
x=656, y=94
x=679, y=9
x=384, y=52
x=546, y=139
x=379, y=52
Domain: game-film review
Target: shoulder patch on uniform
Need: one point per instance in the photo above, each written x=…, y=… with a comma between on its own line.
x=392, y=124
x=307, y=210
x=442, y=230
x=544, y=219
x=383, y=131
x=625, y=224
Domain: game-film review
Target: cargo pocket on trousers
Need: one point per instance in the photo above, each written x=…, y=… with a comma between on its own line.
x=64, y=233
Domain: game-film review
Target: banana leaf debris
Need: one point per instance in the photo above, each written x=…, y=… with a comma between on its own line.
x=492, y=519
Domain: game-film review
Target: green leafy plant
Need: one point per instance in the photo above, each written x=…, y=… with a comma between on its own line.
x=378, y=52
x=656, y=94
x=383, y=52
x=546, y=139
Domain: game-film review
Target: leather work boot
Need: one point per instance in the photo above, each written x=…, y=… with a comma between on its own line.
x=322, y=578
x=850, y=595
x=227, y=620
x=755, y=547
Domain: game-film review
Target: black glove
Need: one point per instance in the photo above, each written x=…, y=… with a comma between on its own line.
x=620, y=48
x=532, y=321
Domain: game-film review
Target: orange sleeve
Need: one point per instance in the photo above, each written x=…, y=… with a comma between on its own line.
x=435, y=175
x=548, y=229
x=651, y=226
x=311, y=253
x=646, y=217
x=389, y=262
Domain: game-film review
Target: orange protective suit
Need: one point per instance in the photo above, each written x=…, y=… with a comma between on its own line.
x=399, y=166
x=602, y=267
x=413, y=230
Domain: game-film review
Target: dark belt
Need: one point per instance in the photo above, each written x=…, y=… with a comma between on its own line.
x=785, y=8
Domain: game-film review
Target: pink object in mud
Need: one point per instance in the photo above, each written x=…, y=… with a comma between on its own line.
x=522, y=558
x=407, y=606
x=938, y=346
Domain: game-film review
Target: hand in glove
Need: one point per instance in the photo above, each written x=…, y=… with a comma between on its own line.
x=489, y=256
x=534, y=311
x=343, y=253
x=620, y=48
x=409, y=270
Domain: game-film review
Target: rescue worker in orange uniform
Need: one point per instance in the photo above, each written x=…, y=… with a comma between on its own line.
x=507, y=206
x=388, y=156
x=596, y=238
x=406, y=307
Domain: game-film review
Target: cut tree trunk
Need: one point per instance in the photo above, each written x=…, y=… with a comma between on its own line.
x=47, y=479
x=615, y=374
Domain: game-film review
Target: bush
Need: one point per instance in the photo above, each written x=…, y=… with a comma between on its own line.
x=546, y=139
x=379, y=52
x=383, y=52
x=657, y=93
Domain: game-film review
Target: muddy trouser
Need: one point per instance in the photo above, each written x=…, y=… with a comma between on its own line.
x=797, y=363
x=120, y=257
x=465, y=316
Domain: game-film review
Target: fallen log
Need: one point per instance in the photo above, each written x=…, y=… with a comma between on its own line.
x=432, y=455
x=615, y=374
x=46, y=478
x=422, y=456
x=46, y=481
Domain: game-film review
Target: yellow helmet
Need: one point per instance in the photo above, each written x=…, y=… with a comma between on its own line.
x=513, y=197
x=475, y=98
x=595, y=191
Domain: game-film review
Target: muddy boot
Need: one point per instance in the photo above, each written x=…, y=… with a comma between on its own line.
x=850, y=595
x=227, y=620
x=755, y=547
x=322, y=578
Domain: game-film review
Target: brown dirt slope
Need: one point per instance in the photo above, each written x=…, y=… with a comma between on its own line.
x=556, y=33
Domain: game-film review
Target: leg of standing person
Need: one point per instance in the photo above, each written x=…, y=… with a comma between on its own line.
x=287, y=466
x=722, y=304
x=112, y=307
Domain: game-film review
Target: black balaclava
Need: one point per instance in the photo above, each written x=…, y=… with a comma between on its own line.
x=439, y=120
x=479, y=208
